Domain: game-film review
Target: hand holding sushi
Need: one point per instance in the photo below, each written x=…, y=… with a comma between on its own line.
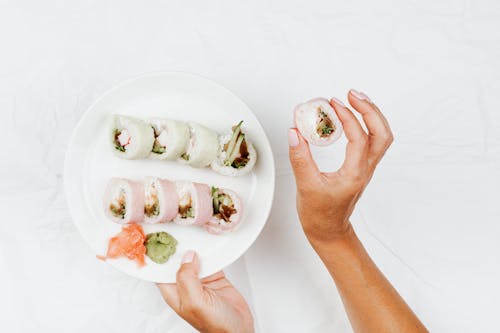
x=325, y=202
x=211, y=304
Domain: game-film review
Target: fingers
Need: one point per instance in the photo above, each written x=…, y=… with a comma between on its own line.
x=170, y=295
x=214, y=277
x=216, y=281
x=304, y=168
x=189, y=286
x=380, y=133
x=357, y=145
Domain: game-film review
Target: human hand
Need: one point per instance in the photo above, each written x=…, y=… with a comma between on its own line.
x=325, y=200
x=211, y=304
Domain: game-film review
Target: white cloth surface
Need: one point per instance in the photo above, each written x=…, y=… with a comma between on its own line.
x=430, y=218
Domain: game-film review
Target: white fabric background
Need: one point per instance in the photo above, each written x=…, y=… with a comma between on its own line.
x=430, y=218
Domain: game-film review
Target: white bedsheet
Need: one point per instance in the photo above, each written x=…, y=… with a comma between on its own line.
x=430, y=218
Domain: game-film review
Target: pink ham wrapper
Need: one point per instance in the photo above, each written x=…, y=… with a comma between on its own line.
x=134, y=200
x=220, y=226
x=305, y=115
x=201, y=201
x=168, y=200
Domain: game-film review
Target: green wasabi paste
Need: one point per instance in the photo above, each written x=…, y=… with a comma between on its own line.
x=160, y=246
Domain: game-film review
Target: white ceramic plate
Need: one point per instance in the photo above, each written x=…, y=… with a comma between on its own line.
x=90, y=163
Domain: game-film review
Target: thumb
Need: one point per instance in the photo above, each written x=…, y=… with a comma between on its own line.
x=188, y=284
x=303, y=165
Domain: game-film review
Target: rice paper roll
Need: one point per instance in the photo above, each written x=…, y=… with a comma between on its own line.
x=124, y=201
x=160, y=200
x=201, y=149
x=236, y=155
x=171, y=138
x=228, y=210
x=131, y=138
x=195, y=203
x=317, y=122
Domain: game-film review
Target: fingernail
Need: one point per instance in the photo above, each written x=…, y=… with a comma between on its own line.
x=188, y=257
x=293, y=139
x=338, y=101
x=360, y=95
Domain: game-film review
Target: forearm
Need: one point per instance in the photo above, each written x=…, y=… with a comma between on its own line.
x=371, y=302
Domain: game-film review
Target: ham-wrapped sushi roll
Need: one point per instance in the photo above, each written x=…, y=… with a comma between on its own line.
x=160, y=200
x=170, y=139
x=195, y=203
x=201, y=149
x=236, y=155
x=228, y=211
x=124, y=201
x=317, y=122
x=131, y=138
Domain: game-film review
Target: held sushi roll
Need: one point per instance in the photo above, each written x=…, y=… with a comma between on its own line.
x=131, y=138
x=160, y=200
x=124, y=201
x=228, y=210
x=195, y=203
x=201, y=149
x=170, y=139
x=317, y=122
x=236, y=155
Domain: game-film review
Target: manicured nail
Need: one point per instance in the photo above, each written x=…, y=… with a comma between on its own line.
x=188, y=257
x=360, y=95
x=293, y=139
x=338, y=101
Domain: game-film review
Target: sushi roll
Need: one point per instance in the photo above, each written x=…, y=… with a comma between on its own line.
x=160, y=200
x=236, y=155
x=317, y=122
x=195, y=203
x=228, y=210
x=124, y=201
x=170, y=139
x=201, y=149
x=131, y=138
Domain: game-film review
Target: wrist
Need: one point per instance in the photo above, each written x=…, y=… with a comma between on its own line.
x=333, y=244
x=324, y=239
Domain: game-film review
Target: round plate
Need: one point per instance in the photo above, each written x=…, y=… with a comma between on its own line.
x=90, y=163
